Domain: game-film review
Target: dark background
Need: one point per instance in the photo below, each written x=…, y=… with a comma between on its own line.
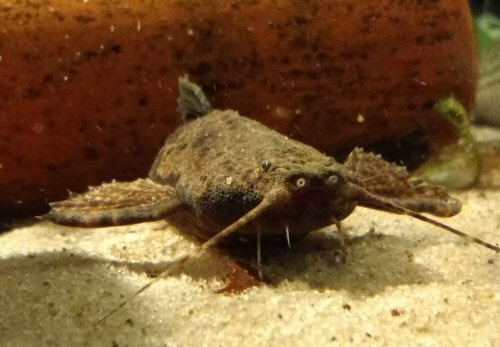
x=479, y=6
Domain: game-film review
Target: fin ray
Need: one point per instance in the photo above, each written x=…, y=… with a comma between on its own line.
x=116, y=203
x=192, y=101
x=395, y=184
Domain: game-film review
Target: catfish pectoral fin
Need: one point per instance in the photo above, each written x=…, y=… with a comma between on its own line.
x=116, y=203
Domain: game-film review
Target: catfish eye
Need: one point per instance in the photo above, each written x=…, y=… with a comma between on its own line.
x=266, y=165
x=301, y=182
x=333, y=179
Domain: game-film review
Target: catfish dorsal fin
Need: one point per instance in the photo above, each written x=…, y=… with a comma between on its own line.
x=192, y=102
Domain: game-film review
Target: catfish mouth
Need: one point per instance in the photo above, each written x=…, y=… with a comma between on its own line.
x=331, y=203
x=304, y=213
x=312, y=196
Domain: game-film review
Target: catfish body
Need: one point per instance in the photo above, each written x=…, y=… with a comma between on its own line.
x=230, y=174
x=222, y=165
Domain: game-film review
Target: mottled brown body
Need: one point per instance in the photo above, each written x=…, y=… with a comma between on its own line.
x=225, y=164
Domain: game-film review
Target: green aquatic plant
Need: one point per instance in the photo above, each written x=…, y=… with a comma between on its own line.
x=487, y=27
x=455, y=166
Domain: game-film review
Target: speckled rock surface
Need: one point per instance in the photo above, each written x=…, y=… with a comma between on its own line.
x=405, y=283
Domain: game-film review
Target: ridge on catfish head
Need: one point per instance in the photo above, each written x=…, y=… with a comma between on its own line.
x=231, y=174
